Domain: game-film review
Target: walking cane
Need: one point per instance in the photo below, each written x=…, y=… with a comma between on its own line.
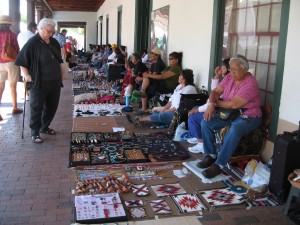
x=24, y=110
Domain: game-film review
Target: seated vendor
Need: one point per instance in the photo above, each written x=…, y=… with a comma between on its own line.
x=166, y=81
x=196, y=114
x=164, y=115
x=240, y=90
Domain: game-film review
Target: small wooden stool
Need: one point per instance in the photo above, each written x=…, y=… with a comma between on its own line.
x=294, y=192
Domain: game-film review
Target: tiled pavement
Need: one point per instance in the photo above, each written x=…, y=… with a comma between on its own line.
x=36, y=183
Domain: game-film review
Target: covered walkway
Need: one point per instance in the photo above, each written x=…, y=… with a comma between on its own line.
x=36, y=183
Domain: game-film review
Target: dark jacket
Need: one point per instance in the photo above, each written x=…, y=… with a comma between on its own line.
x=30, y=53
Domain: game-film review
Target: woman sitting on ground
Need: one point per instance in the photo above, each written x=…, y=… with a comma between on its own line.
x=164, y=115
x=167, y=80
x=196, y=114
x=240, y=90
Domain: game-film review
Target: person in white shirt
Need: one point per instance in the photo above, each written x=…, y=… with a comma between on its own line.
x=112, y=57
x=164, y=115
x=24, y=36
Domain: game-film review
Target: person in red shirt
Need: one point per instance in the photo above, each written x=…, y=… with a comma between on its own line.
x=8, y=70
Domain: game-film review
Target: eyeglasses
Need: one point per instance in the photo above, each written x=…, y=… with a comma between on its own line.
x=234, y=69
x=49, y=31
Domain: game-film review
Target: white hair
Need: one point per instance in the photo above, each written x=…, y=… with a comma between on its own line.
x=242, y=60
x=46, y=22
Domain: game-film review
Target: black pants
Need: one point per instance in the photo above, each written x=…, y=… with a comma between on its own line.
x=43, y=106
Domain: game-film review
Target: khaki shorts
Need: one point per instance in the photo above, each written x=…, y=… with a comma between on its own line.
x=9, y=71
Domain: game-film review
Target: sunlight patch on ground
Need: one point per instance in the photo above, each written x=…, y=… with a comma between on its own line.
x=6, y=106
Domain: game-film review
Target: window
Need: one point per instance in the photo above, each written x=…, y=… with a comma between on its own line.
x=100, y=30
x=107, y=29
x=251, y=28
x=119, y=35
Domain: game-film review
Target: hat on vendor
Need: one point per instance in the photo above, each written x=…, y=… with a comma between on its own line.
x=156, y=51
x=113, y=45
x=6, y=20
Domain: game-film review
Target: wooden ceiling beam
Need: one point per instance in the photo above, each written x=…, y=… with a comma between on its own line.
x=74, y=5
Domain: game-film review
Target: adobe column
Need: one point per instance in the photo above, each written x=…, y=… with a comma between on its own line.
x=14, y=13
x=30, y=11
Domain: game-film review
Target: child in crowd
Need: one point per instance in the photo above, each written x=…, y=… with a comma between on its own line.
x=128, y=82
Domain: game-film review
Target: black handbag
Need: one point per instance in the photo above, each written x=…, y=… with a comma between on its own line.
x=228, y=114
x=188, y=101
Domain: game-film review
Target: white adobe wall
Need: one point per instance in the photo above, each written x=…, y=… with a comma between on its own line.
x=89, y=17
x=289, y=107
x=128, y=22
x=190, y=29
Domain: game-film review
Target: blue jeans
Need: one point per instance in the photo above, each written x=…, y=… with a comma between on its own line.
x=194, y=122
x=162, y=117
x=238, y=128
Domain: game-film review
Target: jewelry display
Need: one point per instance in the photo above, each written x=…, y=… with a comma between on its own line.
x=95, y=138
x=78, y=138
x=80, y=154
x=109, y=184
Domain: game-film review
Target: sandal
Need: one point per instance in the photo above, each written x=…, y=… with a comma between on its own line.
x=140, y=94
x=141, y=112
x=48, y=131
x=134, y=120
x=37, y=139
x=17, y=111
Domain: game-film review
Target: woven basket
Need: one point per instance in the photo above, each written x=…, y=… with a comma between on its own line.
x=294, y=183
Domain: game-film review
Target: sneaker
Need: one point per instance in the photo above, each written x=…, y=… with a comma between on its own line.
x=197, y=148
x=192, y=140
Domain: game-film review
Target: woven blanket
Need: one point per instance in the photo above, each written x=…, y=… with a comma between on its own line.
x=222, y=197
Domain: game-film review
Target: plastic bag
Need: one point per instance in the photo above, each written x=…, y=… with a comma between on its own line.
x=256, y=174
x=181, y=134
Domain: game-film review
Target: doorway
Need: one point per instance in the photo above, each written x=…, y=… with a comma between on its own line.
x=77, y=30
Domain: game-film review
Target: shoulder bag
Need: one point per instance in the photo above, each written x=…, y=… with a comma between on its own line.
x=64, y=67
x=228, y=114
x=188, y=101
x=8, y=52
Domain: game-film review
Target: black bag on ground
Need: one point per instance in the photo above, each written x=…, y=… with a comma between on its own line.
x=187, y=102
x=285, y=160
x=115, y=72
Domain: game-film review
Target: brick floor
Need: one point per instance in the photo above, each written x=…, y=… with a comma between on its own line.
x=36, y=183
